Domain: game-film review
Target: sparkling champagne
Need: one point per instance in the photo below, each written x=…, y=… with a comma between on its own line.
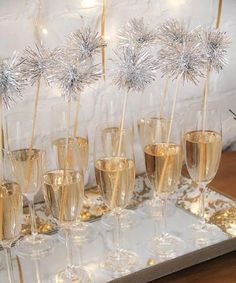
x=27, y=167
x=78, y=153
x=11, y=212
x=63, y=192
x=115, y=177
x=163, y=166
x=203, y=152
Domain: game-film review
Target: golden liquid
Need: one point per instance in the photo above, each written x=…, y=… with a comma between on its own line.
x=63, y=192
x=77, y=155
x=27, y=167
x=156, y=155
x=153, y=129
x=11, y=212
x=202, y=154
x=115, y=173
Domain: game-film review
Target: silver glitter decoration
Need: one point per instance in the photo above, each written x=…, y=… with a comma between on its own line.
x=37, y=63
x=172, y=32
x=137, y=34
x=84, y=43
x=11, y=80
x=215, y=44
x=186, y=61
x=136, y=69
x=71, y=76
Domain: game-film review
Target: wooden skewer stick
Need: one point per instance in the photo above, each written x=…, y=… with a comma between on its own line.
x=169, y=132
x=1, y=143
x=163, y=96
x=66, y=164
x=103, y=27
x=76, y=117
x=116, y=184
x=29, y=161
x=219, y=13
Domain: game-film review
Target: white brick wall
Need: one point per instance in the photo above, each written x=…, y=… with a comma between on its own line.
x=58, y=18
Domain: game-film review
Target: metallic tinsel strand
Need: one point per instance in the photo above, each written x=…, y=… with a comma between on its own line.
x=37, y=63
x=84, y=43
x=136, y=69
x=186, y=60
x=215, y=44
x=136, y=34
x=11, y=81
x=172, y=32
x=72, y=76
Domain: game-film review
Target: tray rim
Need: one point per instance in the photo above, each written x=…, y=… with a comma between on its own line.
x=160, y=270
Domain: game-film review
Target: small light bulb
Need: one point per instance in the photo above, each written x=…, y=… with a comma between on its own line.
x=44, y=31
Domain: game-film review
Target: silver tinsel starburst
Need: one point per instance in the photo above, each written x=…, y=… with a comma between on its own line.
x=215, y=44
x=136, y=69
x=172, y=32
x=71, y=76
x=10, y=80
x=136, y=34
x=186, y=61
x=37, y=63
x=84, y=43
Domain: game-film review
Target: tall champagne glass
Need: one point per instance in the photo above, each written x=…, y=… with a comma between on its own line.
x=27, y=167
x=63, y=191
x=115, y=176
x=110, y=140
x=163, y=160
x=82, y=231
x=11, y=213
x=203, y=146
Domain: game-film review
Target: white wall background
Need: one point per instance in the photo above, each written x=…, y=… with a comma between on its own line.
x=57, y=18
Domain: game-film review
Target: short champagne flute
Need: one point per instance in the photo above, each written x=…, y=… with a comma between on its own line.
x=11, y=212
x=203, y=146
x=27, y=162
x=63, y=187
x=82, y=231
x=115, y=176
x=159, y=122
x=163, y=161
x=110, y=138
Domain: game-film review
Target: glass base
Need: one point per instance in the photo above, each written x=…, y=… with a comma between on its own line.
x=153, y=208
x=81, y=232
x=167, y=246
x=120, y=262
x=204, y=234
x=34, y=246
x=128, y=219
x=72, y=275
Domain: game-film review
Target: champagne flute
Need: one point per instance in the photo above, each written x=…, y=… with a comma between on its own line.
x=115, y=176
x=163, y=161
x=11, y=213
x=160, y=123
x=82, y=231
x=63, y=192
x=110, y=132
x=27, y=167
x=203, y=146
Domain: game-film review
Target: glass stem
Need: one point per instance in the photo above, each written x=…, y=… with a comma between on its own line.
x=202, y=204
x=7, y=252
x=163, y=218
x=34, y=230
x=37, y=270
x=68, y=249
x=117, y=232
